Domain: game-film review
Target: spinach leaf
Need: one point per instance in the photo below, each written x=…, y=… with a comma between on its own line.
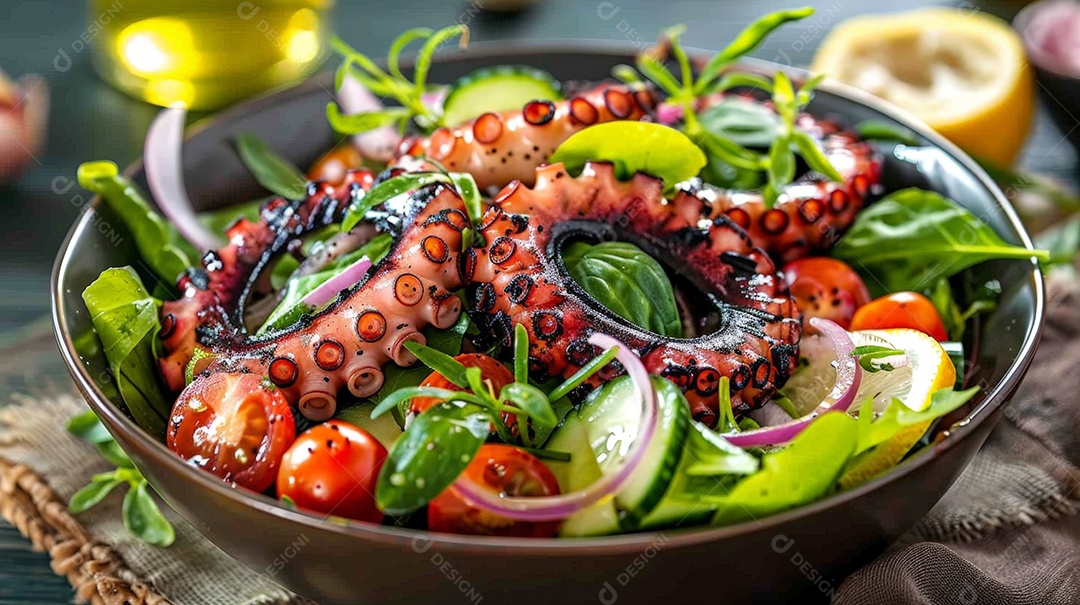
x=276, y=174
x=430, y=455
x=804, y=471
x=161, y=247
x=653, y=149
x=125, y=318
x=143, y=518
x=291, y=308
x=628, y=281
x=914, y=237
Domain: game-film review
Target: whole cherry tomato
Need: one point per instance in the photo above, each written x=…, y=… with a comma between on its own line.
x=901, y=310
x=332, y=468
x=234, y=425
x=490, y=369
x=826, y=288
x=505, y=470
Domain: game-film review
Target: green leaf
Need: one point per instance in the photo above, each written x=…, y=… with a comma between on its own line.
x=87, y=427
x=532, y=401
x=912, y=238
x=292, y=308
x=804, y=471
x=710, y=454
x=143, y=518
x=433, y=42
x=521, y=353
x=470, y=194
x=898, y=416
x=746, y=42
x=403, y=40
x=405, y=394
x=125, y=318
x=96, y=491
x=741, y=79
x=781, y=169
x=654, y=70
x=815, y=157
x=584, y=373
x=654, y=149
x=273, y=172
x=880, y=130
x=440, y=362
x=629, y=282
x=161, y=247
x=745, y=123
x=625, y=74
x=430, y=455
x=726, y=423
x=111, y=451
x=941, y=295
x=357, y=123
x=387, y=190
x=218, y=221
x=784, y=97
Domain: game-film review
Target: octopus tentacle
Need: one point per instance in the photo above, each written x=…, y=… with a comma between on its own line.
x=213, y=297
x=518, y=278
x=497, y=148
x=344, y=346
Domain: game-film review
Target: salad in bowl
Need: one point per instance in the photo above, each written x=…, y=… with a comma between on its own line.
x=518, y=306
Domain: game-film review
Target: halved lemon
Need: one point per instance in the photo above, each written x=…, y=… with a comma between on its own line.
x=922, y=369
x=963, y=72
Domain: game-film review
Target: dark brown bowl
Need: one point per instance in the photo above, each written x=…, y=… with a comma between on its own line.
x=803, y=553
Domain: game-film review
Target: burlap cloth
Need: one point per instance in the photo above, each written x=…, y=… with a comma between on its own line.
x=1006, y=533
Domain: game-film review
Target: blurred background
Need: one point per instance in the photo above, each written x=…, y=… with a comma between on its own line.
x=98, y=62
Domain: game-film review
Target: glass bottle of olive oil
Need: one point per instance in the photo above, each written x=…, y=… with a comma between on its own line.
x=206, y=53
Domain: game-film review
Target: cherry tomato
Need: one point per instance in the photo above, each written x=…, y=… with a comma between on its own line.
x=901, y=310
x=332, y=468
x=333, y=165
x=233, y=425
x=505, y=470
x=826, y=288
x=490, y=369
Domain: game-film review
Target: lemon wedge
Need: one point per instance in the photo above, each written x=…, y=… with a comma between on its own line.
x=962, y=72
x=923, y=368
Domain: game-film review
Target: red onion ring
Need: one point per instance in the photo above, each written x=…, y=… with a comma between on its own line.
x=329, y=289
x=163, y=162
x=669, y=113
x=378, y=144
x=848, y=378
x=549, y=508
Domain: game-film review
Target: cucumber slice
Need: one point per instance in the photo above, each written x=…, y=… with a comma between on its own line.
x=499, y=88
x=580, y=471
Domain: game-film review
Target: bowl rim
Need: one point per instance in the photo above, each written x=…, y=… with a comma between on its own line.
x=606, y=545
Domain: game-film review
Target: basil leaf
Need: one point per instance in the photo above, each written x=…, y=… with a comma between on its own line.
x=532, y=401
x=804, y=471
x=143, y=518
x=440, y=362
x=276, y=174
x=629, y=282
x=746, y=42
x=161, y=247
x=815, y=157
x=389, y=189
x=914, y=237
x=125, y=318
x=96, y=491
x=880, y=130
x=87, y=427
x=632, y=147
x=292, y=308
x=430, y=455
x=745, y=123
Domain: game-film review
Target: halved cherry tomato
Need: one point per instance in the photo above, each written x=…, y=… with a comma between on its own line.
x=901, y=310
x=333, y=165
x=826, y=288
x=233, y=425
x=332, y=469
x=505, y=470
x=490, y=369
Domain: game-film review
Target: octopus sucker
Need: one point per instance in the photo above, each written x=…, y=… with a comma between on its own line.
x=519, y=277
x=344, y=346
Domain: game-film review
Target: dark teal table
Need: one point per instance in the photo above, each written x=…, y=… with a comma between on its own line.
x=89, y=120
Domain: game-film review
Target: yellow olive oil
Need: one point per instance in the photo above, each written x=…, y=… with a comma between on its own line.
x=204, y=54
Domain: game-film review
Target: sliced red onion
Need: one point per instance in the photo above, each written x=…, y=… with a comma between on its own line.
x=669, y=113
x=434, y=98
x=550, y=508
x=848, y=378
x=329, y=289
x=378, y=144
x=164, y=165
x=770, y=414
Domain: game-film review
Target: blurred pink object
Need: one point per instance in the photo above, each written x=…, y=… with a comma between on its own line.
x=24, y=110
x=1052, y=36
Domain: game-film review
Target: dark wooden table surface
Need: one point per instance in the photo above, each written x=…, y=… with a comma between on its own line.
x=89, y=120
